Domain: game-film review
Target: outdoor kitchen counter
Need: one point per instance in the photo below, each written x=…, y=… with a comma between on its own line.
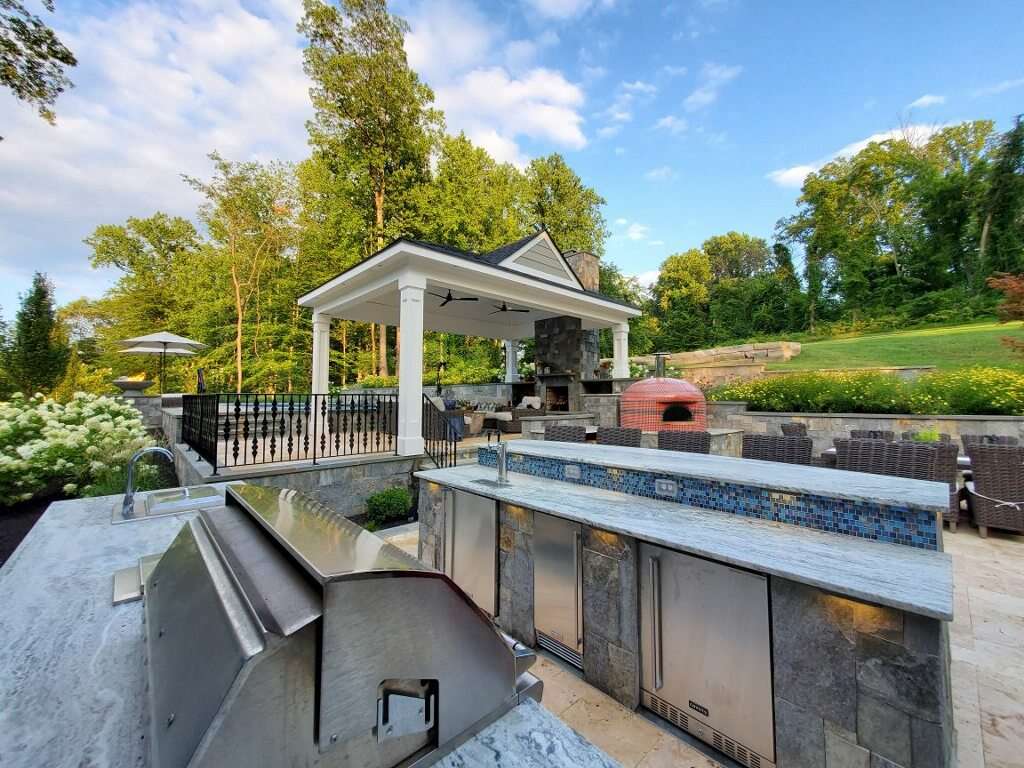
x=71, y=664
x=915, y=580
x=787, y=478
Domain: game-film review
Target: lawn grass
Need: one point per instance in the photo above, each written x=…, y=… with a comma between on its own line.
x=945, y=348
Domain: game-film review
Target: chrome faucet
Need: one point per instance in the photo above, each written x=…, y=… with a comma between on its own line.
x=501, y=451
x=128, y=506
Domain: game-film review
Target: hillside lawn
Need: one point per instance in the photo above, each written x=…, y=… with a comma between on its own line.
x=947, y=347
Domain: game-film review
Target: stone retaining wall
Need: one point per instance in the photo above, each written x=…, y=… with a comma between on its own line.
x=823, y=428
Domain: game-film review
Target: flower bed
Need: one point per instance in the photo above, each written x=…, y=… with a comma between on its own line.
x=79, y=448
x=981, y=391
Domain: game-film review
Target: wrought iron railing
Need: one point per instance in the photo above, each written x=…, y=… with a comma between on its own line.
x=235, y=430
x=440, y=440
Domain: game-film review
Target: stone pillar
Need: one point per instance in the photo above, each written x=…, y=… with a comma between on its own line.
x=515, y=573
x=411, y=286
x=511, y=361
x=611, y=616
x=321, y=353
x=620, y=339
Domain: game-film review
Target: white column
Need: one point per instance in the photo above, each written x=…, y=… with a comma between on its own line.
x=511, y=361
x=410, y=364
x=620, y=347
x=321, y=353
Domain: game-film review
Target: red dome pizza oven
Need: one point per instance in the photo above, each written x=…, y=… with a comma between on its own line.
x=661, y=403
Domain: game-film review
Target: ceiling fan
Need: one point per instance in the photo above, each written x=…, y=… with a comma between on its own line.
x=449, y=298
x=505, y=308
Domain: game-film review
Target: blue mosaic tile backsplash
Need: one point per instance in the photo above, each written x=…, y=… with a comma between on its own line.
x=878, y=522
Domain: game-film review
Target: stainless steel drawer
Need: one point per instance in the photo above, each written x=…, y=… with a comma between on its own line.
x=557, y=584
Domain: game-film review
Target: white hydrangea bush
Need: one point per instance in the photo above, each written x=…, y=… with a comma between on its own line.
x=47, y=447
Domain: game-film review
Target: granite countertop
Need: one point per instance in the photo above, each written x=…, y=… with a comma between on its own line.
x=788, y=478
x=915, y=580
x=71, y=664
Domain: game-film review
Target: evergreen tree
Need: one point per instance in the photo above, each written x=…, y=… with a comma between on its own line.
x=5, y=382
x=38, y=351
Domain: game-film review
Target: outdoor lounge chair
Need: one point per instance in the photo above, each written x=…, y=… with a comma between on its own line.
x=624, y=436
x=873, y=434
x=687, y=442
x=565, y=433
x=788, y=450
x=996, y=496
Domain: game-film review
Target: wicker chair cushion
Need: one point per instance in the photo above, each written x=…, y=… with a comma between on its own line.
x=688, y=442
x=788, y=450
x=566, y=433
x=624, y=436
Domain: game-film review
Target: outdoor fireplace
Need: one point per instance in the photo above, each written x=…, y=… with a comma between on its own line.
x=661, y=403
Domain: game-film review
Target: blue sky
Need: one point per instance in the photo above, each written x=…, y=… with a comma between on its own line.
x=691, y=118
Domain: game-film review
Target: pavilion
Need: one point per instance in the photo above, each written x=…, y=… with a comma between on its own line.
x=500, y=295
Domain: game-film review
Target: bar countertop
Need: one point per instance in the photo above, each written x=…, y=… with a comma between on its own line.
x=911, y=579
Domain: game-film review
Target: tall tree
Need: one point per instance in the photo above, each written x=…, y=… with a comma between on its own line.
x=38, y=349
x=33, y=60
x=736, y=254
x=568, y=208
x=369, y=105
x=1001, y=245
x=249, y=211
x=5, y=379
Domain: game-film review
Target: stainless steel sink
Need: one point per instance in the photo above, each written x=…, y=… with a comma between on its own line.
x=492, y=483
x=170, y=502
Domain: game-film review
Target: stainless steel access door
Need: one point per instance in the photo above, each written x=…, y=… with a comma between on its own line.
x=557, y=588
x=706, y=647
x=471, y=546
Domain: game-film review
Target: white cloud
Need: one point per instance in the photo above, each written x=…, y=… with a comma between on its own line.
x=637, y=231
x=496, y=106
x=608, y=131
x=1001, y=87
x=674, y=71
x=794, y=176
x=620, y=222
x=640, y=87
x=928, y=100
x=672, y=124
x=565, y=9
x=593, y=72
x=647, y=279
x=712, y=78
x=661, y=173
x=157, y=88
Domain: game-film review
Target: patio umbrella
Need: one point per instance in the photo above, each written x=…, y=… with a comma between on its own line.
x=163, y=344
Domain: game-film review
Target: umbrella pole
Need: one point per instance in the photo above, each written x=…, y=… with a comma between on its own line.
x=163, y=362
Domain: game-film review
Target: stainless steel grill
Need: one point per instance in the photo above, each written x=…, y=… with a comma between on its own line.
x=280, y=633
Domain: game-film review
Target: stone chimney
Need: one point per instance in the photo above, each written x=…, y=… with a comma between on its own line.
x=587, y=267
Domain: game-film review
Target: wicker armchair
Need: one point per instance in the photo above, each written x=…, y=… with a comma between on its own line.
x=788, y=450
x=516, y=425
x=873, y=434
x=996, y=497
x=793, y=428
x=943, y=437
x=565, y=433
x=688, y=442
x=624, y=436
x=969, y=441
x=856, y=455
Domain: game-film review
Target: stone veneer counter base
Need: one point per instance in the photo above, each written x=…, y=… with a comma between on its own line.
x=72, y=679
x=910, y=579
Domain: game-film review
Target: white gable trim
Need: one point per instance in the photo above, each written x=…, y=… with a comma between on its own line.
x=568, y=277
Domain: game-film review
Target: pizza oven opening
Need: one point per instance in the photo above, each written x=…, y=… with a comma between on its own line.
x=677, y=412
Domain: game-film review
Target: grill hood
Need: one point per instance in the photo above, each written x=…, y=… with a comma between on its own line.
x=280, y=633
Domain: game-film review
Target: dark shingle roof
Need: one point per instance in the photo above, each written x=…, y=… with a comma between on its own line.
x=498, y=255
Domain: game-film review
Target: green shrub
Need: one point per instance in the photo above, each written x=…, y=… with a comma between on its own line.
x=977, y=390
x=387, y=506
x=925, y=436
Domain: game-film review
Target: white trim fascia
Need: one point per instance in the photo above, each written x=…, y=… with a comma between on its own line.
x=609, y=311
x=509, y=261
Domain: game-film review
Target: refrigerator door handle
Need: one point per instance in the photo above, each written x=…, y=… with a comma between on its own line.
x=578, y=570
x=656, y=620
